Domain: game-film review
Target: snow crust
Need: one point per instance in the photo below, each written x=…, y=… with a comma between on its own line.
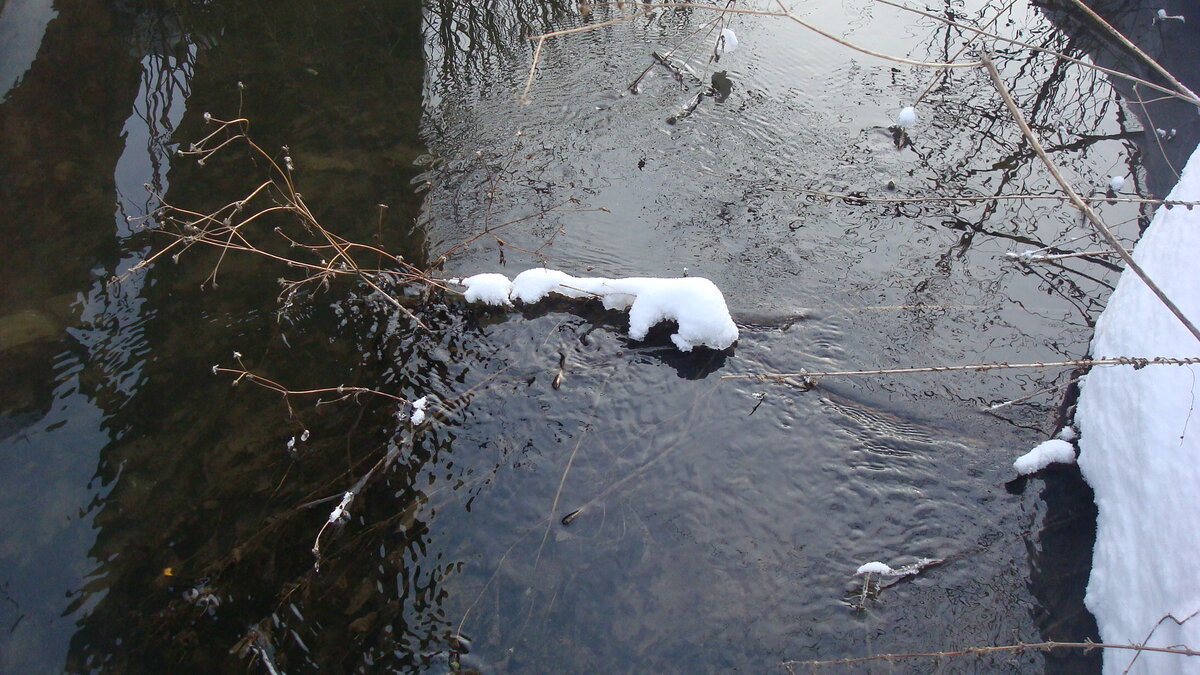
x=1054, y=451
x=695, y=303
x=1140, y=450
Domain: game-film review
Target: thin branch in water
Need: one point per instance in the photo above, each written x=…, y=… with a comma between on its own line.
x=1018, y=648
x=809, y=377
x=1026, y=397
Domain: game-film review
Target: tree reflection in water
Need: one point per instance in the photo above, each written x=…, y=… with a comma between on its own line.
x=204, y=515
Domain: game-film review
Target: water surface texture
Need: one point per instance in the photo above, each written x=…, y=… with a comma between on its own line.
x=580, y=502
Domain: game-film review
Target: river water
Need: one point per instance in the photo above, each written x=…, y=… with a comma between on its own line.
x=159, y=518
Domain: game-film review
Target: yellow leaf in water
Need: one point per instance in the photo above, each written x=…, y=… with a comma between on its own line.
x=168, y=571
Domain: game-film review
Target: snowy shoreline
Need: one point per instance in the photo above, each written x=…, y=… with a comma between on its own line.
x=1141, y=455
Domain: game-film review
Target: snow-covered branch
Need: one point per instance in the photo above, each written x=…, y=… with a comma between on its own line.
x=694, y=303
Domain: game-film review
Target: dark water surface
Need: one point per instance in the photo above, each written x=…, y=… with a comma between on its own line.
x=158, y=519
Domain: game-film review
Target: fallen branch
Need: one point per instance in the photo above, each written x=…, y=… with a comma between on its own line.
x=811, y=377
x=1020, y=647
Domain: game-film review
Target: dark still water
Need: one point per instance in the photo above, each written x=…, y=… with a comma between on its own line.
x=159, y=519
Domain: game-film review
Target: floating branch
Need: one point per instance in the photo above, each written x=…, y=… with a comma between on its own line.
x=809, y=378
x=1018, y=648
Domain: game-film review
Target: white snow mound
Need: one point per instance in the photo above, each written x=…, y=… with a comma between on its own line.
x=907, y=117
x=1139, y=442
x=492, y=289
x=695, y=303
x=1054, y=451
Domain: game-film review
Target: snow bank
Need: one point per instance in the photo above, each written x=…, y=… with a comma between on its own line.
x=695, y=303
x=1140, y=450
x=1054, y=451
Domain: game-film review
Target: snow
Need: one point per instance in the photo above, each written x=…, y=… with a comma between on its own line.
x=694, y=303
x=875, y=568
x=1116, y=183
x=729, y=40
x=1139, y=450
x=342, y=510
x=907, y=117
x=418, y=410
x=1054, y=451
x=492, y=289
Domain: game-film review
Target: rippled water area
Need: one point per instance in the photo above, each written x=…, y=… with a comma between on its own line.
x=575, y=501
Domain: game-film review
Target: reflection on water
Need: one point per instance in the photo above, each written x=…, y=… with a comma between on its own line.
x=583, y=502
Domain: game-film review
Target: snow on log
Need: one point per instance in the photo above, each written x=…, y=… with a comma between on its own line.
x=1139, y=449
x=694, y=303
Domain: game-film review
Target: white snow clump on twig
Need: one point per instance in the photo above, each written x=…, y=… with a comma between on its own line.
x=907, y=117
x=342, y=510
x=418, y=410
x=729, y=40
x=875, y=567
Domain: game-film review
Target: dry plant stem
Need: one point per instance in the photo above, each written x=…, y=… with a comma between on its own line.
x=1019, y=647
x=1078, y=201
x=1136, y=362
x=1157, y=139
x=583, y=432
x=343, y=392
x=1061, y=256
x=1163, y=619
x=215, y=231
x=1116, y=35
